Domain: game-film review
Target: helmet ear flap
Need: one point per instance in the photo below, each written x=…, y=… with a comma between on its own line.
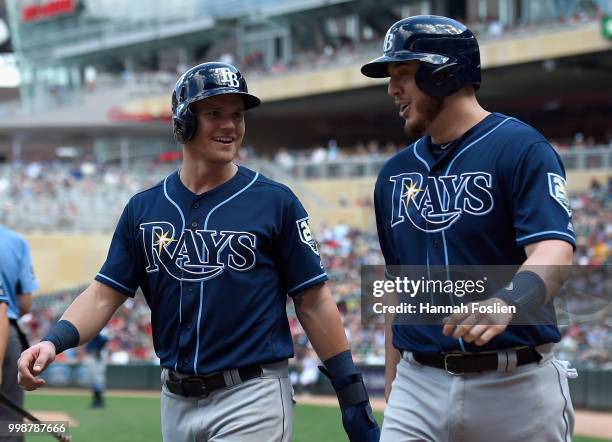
x=444, y=74
x=184, y=123
x=439, y=81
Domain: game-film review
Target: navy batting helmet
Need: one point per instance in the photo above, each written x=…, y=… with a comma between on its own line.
x=200, y=82
x=448, y=52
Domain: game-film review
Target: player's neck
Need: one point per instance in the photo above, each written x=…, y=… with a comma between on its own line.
x=200, y=177
x=459, y=114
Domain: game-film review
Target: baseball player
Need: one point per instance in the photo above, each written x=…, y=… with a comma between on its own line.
x=216, y=248
x=17, y=283
x=96, y=368
x=475, y=188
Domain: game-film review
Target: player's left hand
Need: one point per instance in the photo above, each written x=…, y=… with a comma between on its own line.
x=357, y=419
x=477, y=328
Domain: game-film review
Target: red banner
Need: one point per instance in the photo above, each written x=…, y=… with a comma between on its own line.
x=48, y=9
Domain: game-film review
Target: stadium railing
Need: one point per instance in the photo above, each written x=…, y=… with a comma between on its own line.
x=599, y=157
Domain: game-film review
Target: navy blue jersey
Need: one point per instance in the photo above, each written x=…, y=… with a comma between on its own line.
x=215, y=269
x=500, y=187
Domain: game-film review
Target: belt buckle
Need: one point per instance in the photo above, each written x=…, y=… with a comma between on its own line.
x=200, y=384
x=205, y=393
x=448, y=370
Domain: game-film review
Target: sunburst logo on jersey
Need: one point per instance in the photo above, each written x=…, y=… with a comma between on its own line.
x=163, y=240
x=410, y=192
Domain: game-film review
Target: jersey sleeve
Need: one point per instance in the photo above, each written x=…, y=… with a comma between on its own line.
x=119, y=271
x=300, y=263
x=541, y=206
x=26, y=280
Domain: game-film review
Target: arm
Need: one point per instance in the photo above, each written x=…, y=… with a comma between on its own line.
x=24, y=302
x=544, y=258
x=319, y=315
x=4, y=331
x=92, y=309
x=88, y=313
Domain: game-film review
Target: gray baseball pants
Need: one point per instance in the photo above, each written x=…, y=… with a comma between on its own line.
x=256, y=410
x=530, y=403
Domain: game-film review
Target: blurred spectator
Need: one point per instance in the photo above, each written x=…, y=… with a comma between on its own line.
x=319, y=154
x=284, y=159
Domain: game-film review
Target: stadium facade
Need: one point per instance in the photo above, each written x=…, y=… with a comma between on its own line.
x=96, y=74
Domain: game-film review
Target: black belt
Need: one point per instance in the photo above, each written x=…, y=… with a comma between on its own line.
x=459, y=363
x=202, y=386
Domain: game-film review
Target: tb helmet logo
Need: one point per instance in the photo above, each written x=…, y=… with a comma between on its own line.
x=226, y=77
x=441, y=201
x=306, y=235
x=389, y=40
x=557, y=187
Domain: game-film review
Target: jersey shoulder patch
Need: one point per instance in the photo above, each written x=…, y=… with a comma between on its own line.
x=557, y=188
x=306, y=235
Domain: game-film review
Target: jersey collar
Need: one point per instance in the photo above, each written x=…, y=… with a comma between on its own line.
x=178, y=189
x=423, y=147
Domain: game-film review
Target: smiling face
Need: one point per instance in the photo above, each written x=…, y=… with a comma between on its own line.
x=220, y=128
x=416, y=107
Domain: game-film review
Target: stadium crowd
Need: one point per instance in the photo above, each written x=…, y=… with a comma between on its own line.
x=331, y=151
x=344, y=251
x=84, y=195
x=79, y=196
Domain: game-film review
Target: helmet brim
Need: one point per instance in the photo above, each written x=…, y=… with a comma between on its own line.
x=379, y=67
x=250, y=101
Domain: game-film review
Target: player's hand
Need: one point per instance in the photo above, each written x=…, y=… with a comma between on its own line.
x=477, y=328
x=32, y=363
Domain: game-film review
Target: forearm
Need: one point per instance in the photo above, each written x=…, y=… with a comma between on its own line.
x=320, y=318
x=92, y=309
x=536, y=282
x=548, y=259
